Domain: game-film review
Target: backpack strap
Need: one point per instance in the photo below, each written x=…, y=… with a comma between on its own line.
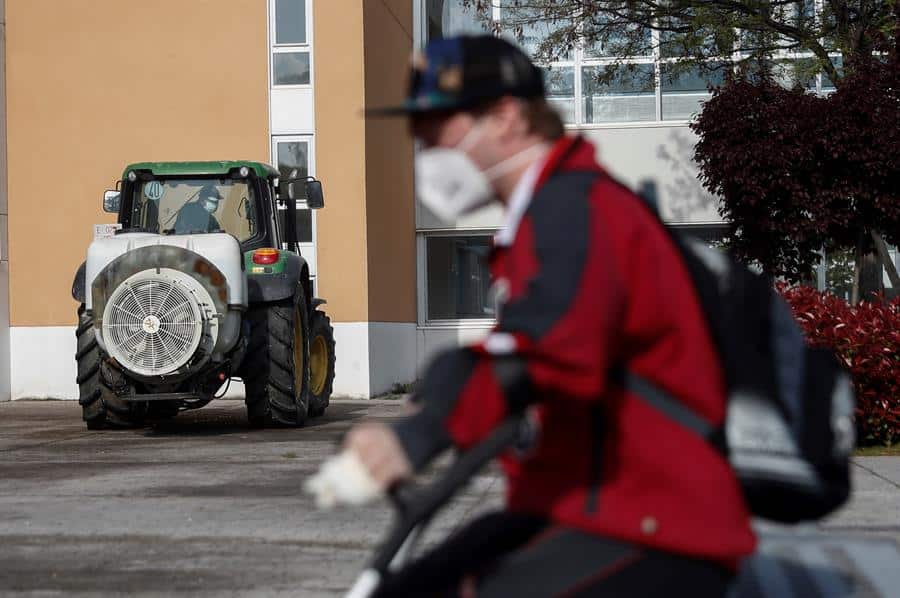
x=672, y=407
x=705, y=283
x=667, y=404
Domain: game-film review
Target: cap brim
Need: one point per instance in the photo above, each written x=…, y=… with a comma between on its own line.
x=410, y=108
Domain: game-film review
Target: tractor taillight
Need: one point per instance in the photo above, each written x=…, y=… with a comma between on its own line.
x=265, y=257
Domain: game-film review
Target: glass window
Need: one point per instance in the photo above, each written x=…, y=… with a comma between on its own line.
x=560, y=84
x=450, y=17
x=291, y=68
x=609, y=42
x=290, y=156
x=684, y=90
x=827, y=83
x=528, y=27
x=628, y=95
x=794, y=73
x=458, y=277
x=290, y=21
x=194, y=206
x=714, y=235
x=304, y=223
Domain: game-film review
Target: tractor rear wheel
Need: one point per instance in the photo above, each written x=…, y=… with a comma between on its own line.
x=101, y=407
x=276, y=369
x=321, y=362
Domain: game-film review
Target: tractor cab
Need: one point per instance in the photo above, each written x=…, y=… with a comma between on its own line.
x=189, y=198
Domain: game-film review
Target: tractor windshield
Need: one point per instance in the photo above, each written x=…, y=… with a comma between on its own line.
x=192, y=206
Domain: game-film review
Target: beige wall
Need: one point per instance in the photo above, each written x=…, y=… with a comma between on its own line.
x=340, y=158
x=366, y=234
x=92, y=86
x=389, y=165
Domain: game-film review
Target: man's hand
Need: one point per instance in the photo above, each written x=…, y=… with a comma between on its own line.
x=378, y=448
x=371, y=461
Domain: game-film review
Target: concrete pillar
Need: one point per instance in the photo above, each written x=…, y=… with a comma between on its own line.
x=366, y=234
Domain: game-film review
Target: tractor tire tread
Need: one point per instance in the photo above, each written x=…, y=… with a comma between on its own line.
x=101, y=408
x=320, y=324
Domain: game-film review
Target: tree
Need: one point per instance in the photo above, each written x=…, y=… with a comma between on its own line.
x=711, y=34
x=797, y=172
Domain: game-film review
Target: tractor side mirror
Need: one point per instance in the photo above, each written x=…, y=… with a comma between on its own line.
x=112, y=201
x=315, y=197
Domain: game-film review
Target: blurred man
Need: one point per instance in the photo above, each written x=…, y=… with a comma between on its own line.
x=612, y=498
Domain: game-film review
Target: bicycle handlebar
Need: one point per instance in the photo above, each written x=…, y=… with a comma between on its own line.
x=417, y=505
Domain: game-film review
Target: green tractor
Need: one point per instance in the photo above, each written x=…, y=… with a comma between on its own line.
x=196, y=287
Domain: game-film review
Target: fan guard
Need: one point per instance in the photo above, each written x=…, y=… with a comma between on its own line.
x=153, y=324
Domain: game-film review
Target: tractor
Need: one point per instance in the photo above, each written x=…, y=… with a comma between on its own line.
x=201, y=282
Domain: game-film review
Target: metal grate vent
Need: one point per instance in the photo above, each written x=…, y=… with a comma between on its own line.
x=152, y=325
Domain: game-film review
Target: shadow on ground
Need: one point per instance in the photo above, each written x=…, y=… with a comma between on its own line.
x=218, y=420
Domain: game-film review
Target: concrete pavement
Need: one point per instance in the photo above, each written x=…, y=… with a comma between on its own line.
x=206, y=506
x=201, y=505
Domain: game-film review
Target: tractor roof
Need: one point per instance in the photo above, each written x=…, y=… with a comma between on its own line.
x=201, y=168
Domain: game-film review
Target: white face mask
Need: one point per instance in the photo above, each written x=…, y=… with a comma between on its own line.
x=210, y=205
x=449, y=184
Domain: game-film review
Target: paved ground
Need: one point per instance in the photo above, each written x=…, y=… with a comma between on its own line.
x=204, y=505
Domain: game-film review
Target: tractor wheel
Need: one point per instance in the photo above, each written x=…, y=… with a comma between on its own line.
x=321, y=362
x=276, y=369
x=101, y=407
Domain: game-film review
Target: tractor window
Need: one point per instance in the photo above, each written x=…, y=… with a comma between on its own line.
x=195, y=206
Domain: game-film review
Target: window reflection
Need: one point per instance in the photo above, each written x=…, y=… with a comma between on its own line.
x=291, y=68
x=458, y=277
x=620, y=94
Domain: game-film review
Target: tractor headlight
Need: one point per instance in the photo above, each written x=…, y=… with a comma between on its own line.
x=244, y=172
x=132, y=176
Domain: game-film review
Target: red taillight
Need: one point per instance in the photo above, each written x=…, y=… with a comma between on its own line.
x=265, y=257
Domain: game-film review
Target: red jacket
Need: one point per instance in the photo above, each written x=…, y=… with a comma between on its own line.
x=593, y=283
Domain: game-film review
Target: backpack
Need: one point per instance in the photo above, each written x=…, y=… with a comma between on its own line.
x=788, y=431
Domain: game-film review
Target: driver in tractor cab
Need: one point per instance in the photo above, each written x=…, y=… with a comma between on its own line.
x=197, y=216
x=609, y=497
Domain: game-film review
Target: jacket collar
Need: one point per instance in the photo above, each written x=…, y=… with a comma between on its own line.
x=535, y=176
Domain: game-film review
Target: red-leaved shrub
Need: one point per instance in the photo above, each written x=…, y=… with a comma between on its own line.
x=866, y=338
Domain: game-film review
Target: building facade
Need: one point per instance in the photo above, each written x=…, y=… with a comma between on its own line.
x=92, y=86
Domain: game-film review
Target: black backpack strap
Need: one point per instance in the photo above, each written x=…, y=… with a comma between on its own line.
x=667, y=404
x=705, y=284
x=672, y=407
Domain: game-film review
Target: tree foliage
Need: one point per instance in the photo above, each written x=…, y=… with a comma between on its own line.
x=797, y=172
x=711, y=34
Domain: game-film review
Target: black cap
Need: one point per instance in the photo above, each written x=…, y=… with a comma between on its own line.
x=460, y=72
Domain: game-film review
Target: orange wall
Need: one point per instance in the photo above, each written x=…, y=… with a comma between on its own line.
x=389, y=166
x=341, y=158
x=94, y=85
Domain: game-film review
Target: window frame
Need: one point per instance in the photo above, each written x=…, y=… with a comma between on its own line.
x=306, y=248
x=423, y=321
x=289, y=48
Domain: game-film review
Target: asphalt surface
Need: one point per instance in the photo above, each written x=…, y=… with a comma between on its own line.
x=203, y=505
x=200, y=505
